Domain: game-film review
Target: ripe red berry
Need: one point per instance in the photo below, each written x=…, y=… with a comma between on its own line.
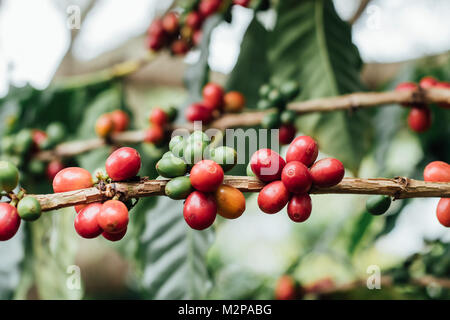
x=303, y=149
x=194, y=20
x=86, y=223
x=156, y=28
x=198, y=112
x=267, y=165
x=443, y=212
x=437, y=171
x=123, y=164
x=114, y=236
x=120, y=119
x=200, y=210
x=299, y=207
x=213, y=96
x=53, y=168
x=443, y=85
x=419, y=119
x=197, y=37
x=79, y=207
x=243, y=3
x=206, y=176
x=155, y=43
x=9, y=221
x=285, y=288
x=287, y=133
x=179, y=47
x=296, y=177
x=154, y=134
x=327, y=172
x=113, y=216
x=158, y=117
x=273, y=197
x=208, y=7
x=170, y=23
x=72, y=178
x=427, y=82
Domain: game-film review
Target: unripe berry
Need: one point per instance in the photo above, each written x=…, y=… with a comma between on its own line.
x=86, y=224
x=437, y=171
x=299, y=207
x=230, y=202
x=327, y=172
x=287, y=133
x=70, y=179
x=443, y=212
x=200, y=210
x=419, y=119
x=234, y=101
x=198, y=112
x=273, y=197
x=113, y=216
x=267, y=165
x=213, y=96
x=296, y=177
x=104, y=125
x=9, y=221
x=123, y=164
x=303, y=149
x=206, y=176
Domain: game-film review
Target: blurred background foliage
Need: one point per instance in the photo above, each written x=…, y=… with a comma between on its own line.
x=161, y=258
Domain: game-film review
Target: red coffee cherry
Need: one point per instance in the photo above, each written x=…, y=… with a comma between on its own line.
x=123, y=164
x=113, y=216
x=243, y=3
x=419, y=119
x=155, y=43
x=156, y=28
x=197, y=37
x=170, y=23
x=267, y=165
x=72, y=178
x=120, y=119
x=303, y=149
x=285, y=288
x=53, y=168
x=443, y=212
x=198, y=112
x=200, y=210
x=296, y=177
x=194, y=20
x=114, y=236
x=427, y=82
x=154, y=134
x=437, y=171
x=79, y=207
x=443, y=85
x=180, y=47
x=299, y=207
x=9, y=221
x=206, y=176
x=234, y=101
x=213, y=96
x=273, y=197
x=104, y=125
x=86, y=224
x=287, y=133
x=208, y=7
x=327, y=172
x=158, y=117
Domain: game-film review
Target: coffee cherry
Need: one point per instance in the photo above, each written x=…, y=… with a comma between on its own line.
x=296, y=177
x=226, y=157
x=287, y=133
x=443, y=212
x=155, y=43
x=178, y=188
x=243, y=3
x=23, y=142
x=275, y=97
x=273, y=197
x=234, y=101
x=123, y=164
x=53, y=168
x=156, y=28
x=290, y=90
x=195, y=151
x=267, y=165
x=56, y=132
x=327, y=172
x=264, y=90
x=303, y=149
x=114, y=236
x=271, y=120
x=197, y=37
x=264, y=104
x=38, y=137
x=72, y=178
x=249, y=171
x=86, y=224
x=285, y=288
x=120, y=119
x=230, y=202
x=179, y=47
x=378, y=204
x=419, y=119
x=170, y=23
x=200, y=210
x=171, y=167
x=176, y=142
x=36, y=167
x=7, y=146
x=437, y=171
x=208, y=7
x=104, y=125
x=154, y=134
x=79, y=207
x=213, y=95
x=9, y=221
x=29, y=209
x=198, y=112
x=9, y=176
x=113, y=216
x=206, y=176
x=288, y=117
x=158, y=117
x=299, y=207
x=427, y=82
x=194, y=20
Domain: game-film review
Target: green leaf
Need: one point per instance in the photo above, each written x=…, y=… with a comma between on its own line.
x=359, y=230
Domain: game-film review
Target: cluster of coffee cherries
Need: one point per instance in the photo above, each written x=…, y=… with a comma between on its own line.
x=419, y=118
x=20, y=206
x=110, y=218
x=180, y=33
x=439, y=171
x=21, y=147
x=277, y=97
x=204, y=191
x=159, y=120
x=290, y=181
x=111, y=122
x=215, y=101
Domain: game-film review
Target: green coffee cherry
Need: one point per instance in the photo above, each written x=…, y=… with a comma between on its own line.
x=9, y=176
x=271, y=121
x=167, y=154
x=7, y=144
x=47, y=144
x=378, y=204
x=178, y=188
x=198, y=136
x=264, y=104
x=174, y=141
x=264, y=90
x=56, y=132
x=29, y=209
x=172, y=113
x=226, y=157
x=171, y=167
x=288, y=117
x=23, y=141
x=195, y=151
x=250, y=172
x=275, y=97
x=177, y=145
x=36, y=167
x=290, y=90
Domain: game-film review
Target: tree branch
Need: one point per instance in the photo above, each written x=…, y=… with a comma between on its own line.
x=398, y=188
